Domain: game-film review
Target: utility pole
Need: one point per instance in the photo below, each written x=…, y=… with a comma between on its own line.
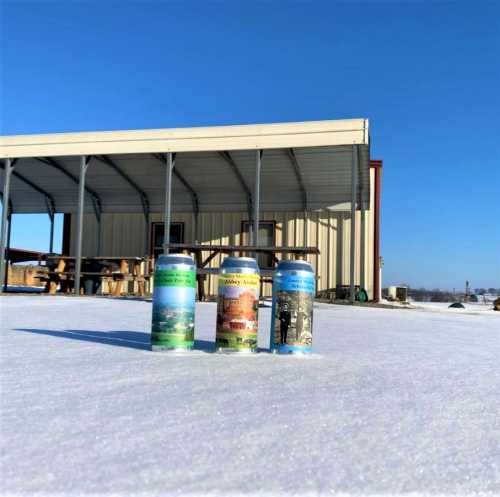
x=467, y=291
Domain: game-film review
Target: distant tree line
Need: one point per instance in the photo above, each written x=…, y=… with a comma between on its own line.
x=437, y=295
x=434, y=295
x=490, y=291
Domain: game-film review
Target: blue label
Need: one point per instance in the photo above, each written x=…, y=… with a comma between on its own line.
x=292, y=312
x=290, y=282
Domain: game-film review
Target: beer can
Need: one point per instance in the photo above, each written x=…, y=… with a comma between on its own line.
x=173, y=303
x=238, y=305
x=292, y=309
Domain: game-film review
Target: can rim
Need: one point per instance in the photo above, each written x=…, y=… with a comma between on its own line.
x=177, y=256
x=240, y=258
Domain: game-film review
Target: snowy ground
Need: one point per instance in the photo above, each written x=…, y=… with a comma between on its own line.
x=395, y=401
x=470, y=307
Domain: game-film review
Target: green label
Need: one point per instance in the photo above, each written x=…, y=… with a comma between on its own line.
x=175, y=277
x=171, y=340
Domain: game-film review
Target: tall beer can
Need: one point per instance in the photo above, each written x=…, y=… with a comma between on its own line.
x=292, y=310
x=238, y=305
x=173, y=303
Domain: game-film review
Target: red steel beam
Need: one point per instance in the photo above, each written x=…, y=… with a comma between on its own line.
x=377, y=166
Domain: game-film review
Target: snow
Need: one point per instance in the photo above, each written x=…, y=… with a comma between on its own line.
x=392, y=402
x=470, y=307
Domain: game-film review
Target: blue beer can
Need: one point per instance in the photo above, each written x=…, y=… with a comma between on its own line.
x=292, y=310
x=173, y=303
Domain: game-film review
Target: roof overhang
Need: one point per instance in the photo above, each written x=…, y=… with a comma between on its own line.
x=305, y=166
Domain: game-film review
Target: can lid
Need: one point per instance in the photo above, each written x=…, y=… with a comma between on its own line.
x=175, y=259
x=239, y=262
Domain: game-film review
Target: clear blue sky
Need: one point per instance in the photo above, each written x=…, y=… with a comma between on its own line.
x=426, y=74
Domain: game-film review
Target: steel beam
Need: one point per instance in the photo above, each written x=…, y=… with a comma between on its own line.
x=192, y=192
x=49, y=200
x=298, y=176
x=194, y=198
x=33, y=185
x=168, y=202
x=8, y=169
x=96, y=200
x=354, y=188
x=234, y=168
x=142, y=194
x=84, y=164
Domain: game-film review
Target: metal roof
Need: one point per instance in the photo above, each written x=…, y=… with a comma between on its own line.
x=304, y=166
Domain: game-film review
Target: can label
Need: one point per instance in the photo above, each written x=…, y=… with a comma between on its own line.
x=173, y=308
x=293, y=311
x=237, y=311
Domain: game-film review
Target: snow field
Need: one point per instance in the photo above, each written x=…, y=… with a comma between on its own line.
x=392, y=401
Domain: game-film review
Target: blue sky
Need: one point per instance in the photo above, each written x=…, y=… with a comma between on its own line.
x=426, y=75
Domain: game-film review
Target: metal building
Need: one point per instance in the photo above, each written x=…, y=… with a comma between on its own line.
x=300, y=184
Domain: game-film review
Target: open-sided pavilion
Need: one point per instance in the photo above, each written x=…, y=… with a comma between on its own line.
x=306, y=166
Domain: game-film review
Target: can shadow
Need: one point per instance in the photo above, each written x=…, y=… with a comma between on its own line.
x=129, y=339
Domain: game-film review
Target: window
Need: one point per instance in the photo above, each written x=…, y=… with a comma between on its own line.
x=267, y=231
x=157, y=233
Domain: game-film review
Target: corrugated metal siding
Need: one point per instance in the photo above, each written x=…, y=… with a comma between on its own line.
x=123, y=235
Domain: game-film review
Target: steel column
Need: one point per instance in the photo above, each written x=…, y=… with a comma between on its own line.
x=5, y=215
x=96, y=201
x=194, y=196
x=51, y=211
x=99, y=231
x=305, y=231
x=146, y=234
x=362, y=229
x=379, y=289
x=377, y=264
x=7, y=253
x=362, y=249
x=51, y=239
x=79, y=229
x=168, y=202
x=195, y=227
x=354, y=188
x=256, y=199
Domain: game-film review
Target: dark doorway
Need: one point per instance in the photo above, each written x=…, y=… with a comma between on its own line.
x=157, y=233
x=267, y=238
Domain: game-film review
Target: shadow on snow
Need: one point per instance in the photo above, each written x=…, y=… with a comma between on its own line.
x=129, y=339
